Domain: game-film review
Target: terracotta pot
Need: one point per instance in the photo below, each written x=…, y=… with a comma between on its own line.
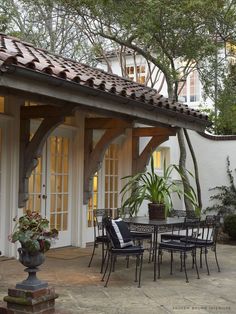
x=156, y=211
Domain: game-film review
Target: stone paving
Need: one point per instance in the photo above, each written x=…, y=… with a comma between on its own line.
x=81, y=291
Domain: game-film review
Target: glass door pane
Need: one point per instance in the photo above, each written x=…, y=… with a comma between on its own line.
x=58, y=192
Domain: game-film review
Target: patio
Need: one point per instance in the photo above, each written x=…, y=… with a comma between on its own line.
x=81, y=291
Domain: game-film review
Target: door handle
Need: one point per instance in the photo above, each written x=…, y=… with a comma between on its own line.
x=44, y=197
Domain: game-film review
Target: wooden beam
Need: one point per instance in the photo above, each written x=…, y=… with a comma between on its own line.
x=106, y=123
x=153, y=131
x=158, y=135
x=93, y=157
x=45, y=111
x=140, y=161
x=32, y=150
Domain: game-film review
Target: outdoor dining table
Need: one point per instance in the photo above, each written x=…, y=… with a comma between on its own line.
x=144, y=224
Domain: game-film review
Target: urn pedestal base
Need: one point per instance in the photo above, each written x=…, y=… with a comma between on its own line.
x=41, y=301
x=32, y=282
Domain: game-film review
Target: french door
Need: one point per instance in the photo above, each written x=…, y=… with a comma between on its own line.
x=49, y=187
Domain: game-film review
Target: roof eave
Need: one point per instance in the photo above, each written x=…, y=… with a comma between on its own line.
x=59, y=90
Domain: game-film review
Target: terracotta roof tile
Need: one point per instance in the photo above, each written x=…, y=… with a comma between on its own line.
x=19, y=53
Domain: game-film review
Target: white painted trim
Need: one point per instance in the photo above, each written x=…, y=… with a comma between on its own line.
x=12, y=106
x=79, y=211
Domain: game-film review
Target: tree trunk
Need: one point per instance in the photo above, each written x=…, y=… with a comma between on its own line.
x=182, y=163
x=196, y=172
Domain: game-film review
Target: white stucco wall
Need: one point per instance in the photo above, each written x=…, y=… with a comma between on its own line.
x=211, y=157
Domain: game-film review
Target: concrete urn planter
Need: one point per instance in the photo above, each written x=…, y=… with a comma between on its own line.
x=31, y=261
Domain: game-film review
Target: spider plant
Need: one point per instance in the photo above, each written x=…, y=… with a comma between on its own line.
x=154, y=188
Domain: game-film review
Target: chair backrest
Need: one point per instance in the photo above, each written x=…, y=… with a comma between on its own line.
x=192, y=230
x=123, y=212
x=191, y=227
x=210, y=228
x=98, y=215
x=177, y=213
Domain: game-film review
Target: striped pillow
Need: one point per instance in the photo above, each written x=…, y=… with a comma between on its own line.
x=121, y=236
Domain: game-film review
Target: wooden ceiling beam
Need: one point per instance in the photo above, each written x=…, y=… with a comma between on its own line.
x=154, y=131
x=107, y=123
x=45, y=111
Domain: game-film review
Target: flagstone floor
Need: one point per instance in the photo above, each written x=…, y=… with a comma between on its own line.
x=81, y=291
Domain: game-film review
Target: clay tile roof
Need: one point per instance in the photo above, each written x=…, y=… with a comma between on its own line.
x=15, y=52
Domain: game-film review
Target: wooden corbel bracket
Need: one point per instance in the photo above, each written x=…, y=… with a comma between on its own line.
x=158, y=136
x=31, y=149
x=93, y=157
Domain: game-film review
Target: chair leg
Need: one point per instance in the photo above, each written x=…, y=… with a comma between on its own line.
x=171, y=263
x=201, y=258
x=192, y=260
x=208, y=272
x=127, y=261
x=103, y=257
x=136, y=268
x=195, y=261
x=109, y=274
x=94, y=246
x=181, y=262
x=159, y=263
x=150, y=252
x=185, y=270
x=106, y=267
x=140, y=270
x=103, y=261
x=216, y=259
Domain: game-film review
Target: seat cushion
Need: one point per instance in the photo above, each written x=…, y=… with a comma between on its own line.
x=140, y=235
x=128, y=250
x=120, y=233
x=169, y=237
x=198, y=242
x=176, y=245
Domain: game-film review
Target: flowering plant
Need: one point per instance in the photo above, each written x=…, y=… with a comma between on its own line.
x=32, y=231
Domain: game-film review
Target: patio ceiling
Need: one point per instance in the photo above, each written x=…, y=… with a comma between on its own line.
x=40, y=75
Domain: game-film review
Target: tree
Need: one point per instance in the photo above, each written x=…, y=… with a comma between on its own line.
x=226, y=104
x=46, y=24
x=172, y=35
x=221, y=23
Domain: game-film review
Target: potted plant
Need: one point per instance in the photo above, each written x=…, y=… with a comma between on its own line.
x=153, y=188
x=34, y=235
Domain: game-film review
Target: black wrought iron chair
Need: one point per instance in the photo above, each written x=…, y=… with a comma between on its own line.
x=177, y=232
x=121, y=244
x=207, y=239
x=138, y=235
x=183, y=247
x=100, y=236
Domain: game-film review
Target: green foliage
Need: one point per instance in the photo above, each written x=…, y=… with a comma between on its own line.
x=153, y=188
x=226, y=197
x=224, y=117
x=226, y=104
x=32, y=231
x=46, y=24
x=230, y=226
